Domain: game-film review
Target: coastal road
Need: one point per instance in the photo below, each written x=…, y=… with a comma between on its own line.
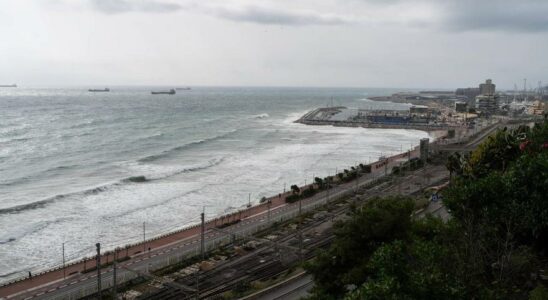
x=79, y=285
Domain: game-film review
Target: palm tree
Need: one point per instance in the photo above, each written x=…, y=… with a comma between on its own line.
x=295, y=189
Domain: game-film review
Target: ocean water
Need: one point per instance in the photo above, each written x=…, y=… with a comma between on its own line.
x=67, y=158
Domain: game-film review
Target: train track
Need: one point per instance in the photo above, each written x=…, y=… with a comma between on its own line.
x=263, y=263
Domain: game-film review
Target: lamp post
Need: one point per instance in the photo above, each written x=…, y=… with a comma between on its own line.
x=64, y=270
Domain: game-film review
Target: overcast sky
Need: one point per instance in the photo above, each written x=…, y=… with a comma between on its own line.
x=361, y=43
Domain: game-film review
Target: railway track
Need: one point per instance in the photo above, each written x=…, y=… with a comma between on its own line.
x=264, y=262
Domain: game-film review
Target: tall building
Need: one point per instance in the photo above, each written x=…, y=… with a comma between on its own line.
x=487, y=88
x=487, y=101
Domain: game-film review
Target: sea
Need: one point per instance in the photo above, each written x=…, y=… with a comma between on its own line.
x=77, y=167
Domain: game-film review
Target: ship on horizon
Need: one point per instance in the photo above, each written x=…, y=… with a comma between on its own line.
x=99, y=90
x=9, y=85
x=183, y=88
x=170, y=92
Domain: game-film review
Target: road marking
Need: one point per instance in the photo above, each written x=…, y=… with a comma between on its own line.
x=52, y=290
x=62, y=286
x=41, y=293
x=74, y=282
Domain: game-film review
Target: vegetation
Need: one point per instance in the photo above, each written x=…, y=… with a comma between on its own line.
x=494, y=246
x=325, y=183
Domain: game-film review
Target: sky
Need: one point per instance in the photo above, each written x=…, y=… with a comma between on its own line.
x=331, y=43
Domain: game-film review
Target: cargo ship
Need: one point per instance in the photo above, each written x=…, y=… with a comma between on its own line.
x=99, y=90
x=183, y=89
x=8, y=85
x=170, y=92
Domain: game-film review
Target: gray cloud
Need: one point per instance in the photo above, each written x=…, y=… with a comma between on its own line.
x=522, y=16
x=482, y=15
x=250, y=14
x=261, y=15
x=123, y=6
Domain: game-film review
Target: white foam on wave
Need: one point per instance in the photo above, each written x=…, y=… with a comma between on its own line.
x=261, y=116
x=176, y=191
x=153, y=171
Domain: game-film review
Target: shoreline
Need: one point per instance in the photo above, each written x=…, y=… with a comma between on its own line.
x=86, y=264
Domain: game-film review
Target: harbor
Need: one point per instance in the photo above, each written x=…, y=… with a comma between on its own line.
x=418, y=118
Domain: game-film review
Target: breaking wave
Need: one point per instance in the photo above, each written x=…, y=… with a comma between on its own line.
x=261, y=116
x=137, y=179
x=171, y=151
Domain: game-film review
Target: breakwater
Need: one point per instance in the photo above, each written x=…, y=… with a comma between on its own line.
x=324, y=116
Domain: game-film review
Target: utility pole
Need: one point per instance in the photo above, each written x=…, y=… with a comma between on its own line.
x=144, y=238
x=525, y=89
x=64, y=270
x=249, y=200
x=300, y=233
x=300, y=207
x=400, y=179
x=114, y=292
x=268, y=203
x=284, y=187
x=202, y=235
x=98, y=264
x=357, y=180
x=328, y=187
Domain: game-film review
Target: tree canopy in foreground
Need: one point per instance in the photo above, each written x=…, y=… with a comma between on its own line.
x=495, y=245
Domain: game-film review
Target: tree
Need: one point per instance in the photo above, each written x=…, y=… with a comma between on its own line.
x=319, y=182
x=454, y=164
x=381, y=220
x=496, y=239
x=295, y=189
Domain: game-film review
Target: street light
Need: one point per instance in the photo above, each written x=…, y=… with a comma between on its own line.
x=64, y=270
